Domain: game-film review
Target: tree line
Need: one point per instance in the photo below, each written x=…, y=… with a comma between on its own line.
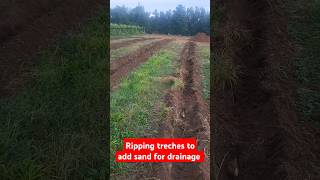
x=181, y=21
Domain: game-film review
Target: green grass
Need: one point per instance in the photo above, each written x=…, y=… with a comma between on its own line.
x=132, y=105
x=204, y=52
x=304, y=29
x=55, y=127
x=125, y=30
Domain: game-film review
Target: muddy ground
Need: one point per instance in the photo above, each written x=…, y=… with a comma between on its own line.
x=121, y=67
x=256, y=131
x=28, y=26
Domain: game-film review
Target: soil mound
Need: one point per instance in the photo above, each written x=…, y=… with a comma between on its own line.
x=201, y=37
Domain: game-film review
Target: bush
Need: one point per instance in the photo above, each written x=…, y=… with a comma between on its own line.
x=124, y=30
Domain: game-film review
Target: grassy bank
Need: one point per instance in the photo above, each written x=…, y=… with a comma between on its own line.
x=204, y=55
x=55, y=128
x=304, y=29
x=132, y=106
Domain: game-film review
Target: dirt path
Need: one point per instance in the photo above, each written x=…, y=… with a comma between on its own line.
x=118, y=45
x=28, y=27
x=189, y=117
x=121, y=67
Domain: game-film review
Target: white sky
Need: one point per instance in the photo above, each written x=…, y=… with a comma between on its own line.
x=161, y=5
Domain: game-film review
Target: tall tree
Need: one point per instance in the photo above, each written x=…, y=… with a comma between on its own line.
x=119, y=14
x=179, y=21
x=138, y=16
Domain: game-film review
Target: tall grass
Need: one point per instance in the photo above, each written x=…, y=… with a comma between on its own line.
x=204, y=53
x=225, y=74
x=55, y=127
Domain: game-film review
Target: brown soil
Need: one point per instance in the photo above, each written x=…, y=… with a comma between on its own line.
x=121, y=67
x=189, y=118
x=27, y=27
x=127, y=43
x=256, y=131
x=201, y=37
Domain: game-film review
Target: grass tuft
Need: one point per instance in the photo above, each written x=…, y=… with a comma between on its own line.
x=225, y=74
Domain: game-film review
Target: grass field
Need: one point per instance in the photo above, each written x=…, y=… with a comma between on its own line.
x=132, y=104
x=54, y=128
x=137, y=106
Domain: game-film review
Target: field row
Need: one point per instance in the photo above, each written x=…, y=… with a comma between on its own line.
x=139, y=104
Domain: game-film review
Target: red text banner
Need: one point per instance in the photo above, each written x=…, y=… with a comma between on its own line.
x=160, y=150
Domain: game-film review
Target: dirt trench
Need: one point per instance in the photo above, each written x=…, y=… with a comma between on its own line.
x=256, y=131
x=121, y=44
x=121, y=67
x=189, y=117
x=32, y=25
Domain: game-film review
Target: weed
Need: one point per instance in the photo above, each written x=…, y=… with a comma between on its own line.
x=178, y=84
x=225, y=74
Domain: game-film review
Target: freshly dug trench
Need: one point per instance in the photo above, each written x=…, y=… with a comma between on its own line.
x=188, y=118
x=256, y=130
x=121, y=67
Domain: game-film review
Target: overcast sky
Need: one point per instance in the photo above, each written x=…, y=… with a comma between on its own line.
x=161, y=5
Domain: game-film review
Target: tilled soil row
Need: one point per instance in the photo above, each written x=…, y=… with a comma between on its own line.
x=257, y=134
x=121, y=44
x=188, y=118
x=31, y=26
x=121, y=67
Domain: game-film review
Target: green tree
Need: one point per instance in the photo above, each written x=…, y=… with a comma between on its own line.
x=179, y=21
x=119, y=14
x=138, y=16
